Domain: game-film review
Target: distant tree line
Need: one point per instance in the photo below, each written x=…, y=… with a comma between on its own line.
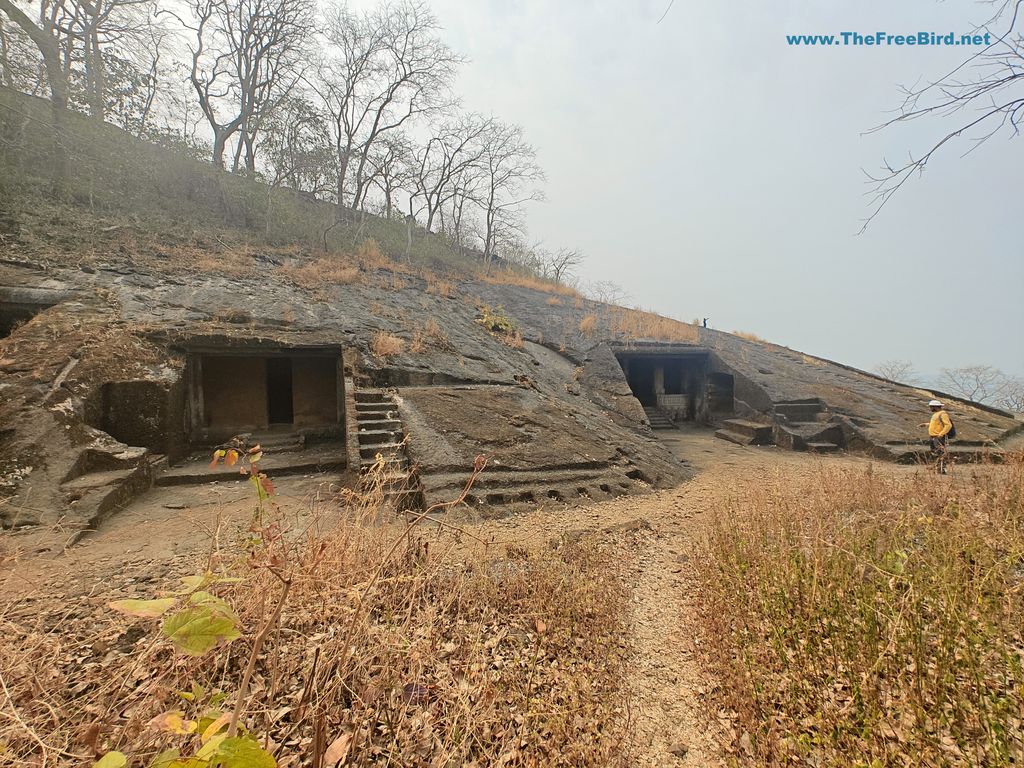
x=354, y=107
x=979, y=383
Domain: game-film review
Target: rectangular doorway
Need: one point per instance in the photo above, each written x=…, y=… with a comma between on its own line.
x=279, y=391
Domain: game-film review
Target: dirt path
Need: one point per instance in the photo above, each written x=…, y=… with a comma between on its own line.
x=670, y=689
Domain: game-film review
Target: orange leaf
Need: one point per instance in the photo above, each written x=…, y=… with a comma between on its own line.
x=232, y=458
x=268, y=486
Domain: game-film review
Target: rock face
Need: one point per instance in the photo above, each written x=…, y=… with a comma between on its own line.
x=116, y=368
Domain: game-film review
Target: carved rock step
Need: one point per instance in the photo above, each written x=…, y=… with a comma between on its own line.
x=364, y=396
x=734, y=437
x=822, y=447
x=456, y=481
x=799, y=411
x=557, y=493
x=756, y=433
x=657, y=418
x=368, y=437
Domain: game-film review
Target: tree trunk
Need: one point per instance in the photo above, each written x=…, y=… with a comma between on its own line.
x=94, y=74
x=47, y=46
x=220, y=140
x=5, y=58
x=58, y=83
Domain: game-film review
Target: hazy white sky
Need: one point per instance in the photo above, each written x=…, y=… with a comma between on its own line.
x=712, y=170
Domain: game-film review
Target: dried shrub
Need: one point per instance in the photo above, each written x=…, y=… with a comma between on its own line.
x=588, y=325
x=392, y=646
x=749, y=336
x=553, y=301
x=639, y=324
x=439, y=287
x=509, y=277
x=854, y=613
x=319, y=272
x=386, y=344
x=369, y=256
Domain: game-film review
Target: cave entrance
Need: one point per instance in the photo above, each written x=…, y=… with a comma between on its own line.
x=279, y=391
x=17, y=307
x=673, y=381
x=234, y=392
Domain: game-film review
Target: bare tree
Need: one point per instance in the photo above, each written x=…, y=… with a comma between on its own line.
x=244, y=59
x=559, y=265
x=456, y=147
x=45, y=40
x=985, y=94
x=381, y=68
x=980, y=383
x=391, y=168
x=297, y=147
x=608, y=292
x=508, y=166
x=1012, y=398
x=44, y=36
x=897, y=370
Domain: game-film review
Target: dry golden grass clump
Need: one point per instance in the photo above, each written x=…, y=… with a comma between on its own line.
x=588, y=325
x=553, y=301
x=870, y=620
x=439, y=287
x=510, y=277
x=639, y=324
x=385, y=344
x=431, y=334
x=749, y=336
x=377, y=645
x=323, y=271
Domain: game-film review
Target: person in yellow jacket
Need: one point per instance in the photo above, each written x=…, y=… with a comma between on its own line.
x=939, y=427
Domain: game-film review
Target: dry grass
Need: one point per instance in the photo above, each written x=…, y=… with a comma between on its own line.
x=385, y=344
x=430, y=335
x=439, y=287
x=314, y=274
x=553, y=301
x=393, y=647
x=872, y=620
x=588, y=325
x=749, y=336
x=639, y=324
x=509, y=277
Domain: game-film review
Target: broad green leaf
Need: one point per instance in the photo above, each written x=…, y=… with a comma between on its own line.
x=214, y=603
x=201, y=581
x=210, y=748
x=198, y=629
x=148, y=609
x=215, y=727
x=111, y=760
x=240, y=752
x=165, y=759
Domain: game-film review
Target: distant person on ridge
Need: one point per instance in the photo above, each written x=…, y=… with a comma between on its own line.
x=705, y=322
x=940, y=429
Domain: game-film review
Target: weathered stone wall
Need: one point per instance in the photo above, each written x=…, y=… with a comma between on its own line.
x=315, y=391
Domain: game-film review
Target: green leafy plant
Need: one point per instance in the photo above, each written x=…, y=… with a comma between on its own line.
x=499, y=324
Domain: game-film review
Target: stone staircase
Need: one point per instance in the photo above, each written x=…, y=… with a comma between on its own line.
x=381, y=433
x=277, y=442
x=506, y=487
x=657, y=418
x=744, y=432
x=803, y=425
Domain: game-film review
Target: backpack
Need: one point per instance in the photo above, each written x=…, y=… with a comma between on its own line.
x=952, y=428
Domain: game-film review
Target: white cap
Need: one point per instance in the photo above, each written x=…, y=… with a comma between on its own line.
x=934, y=403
